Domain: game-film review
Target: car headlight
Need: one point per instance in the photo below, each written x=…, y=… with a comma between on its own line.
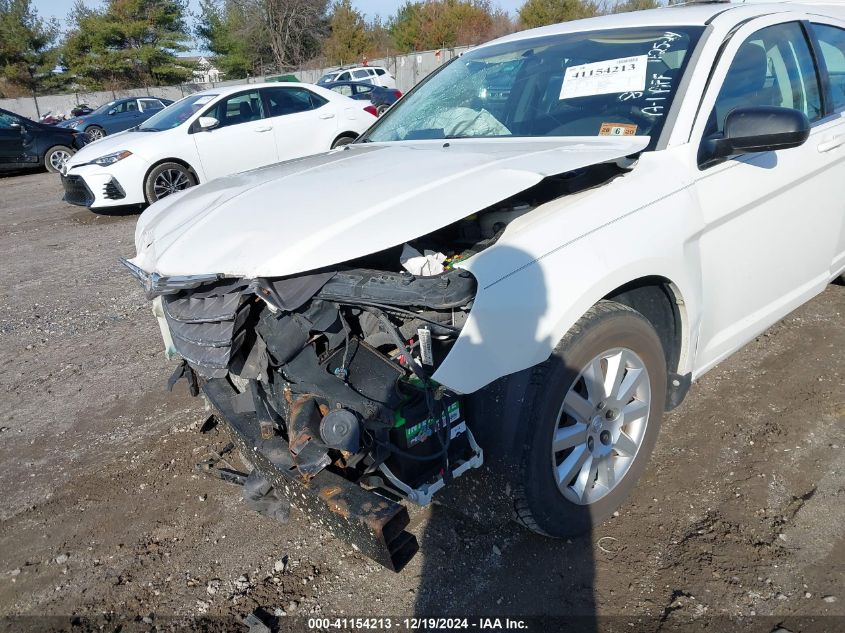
x=111, y=159
x=74, y=124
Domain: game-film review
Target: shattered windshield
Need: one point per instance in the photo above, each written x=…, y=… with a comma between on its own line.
x=602, y=83
x=176, y=114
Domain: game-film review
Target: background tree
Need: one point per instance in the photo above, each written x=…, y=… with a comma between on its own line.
x=635, y=5
x=294, y=29
x=229, y=31
x=28, y=52
x=437, y=23
x=536, y=13
x=349, y=37
x=128, y=44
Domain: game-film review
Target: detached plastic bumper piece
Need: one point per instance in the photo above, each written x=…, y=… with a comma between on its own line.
x=372, y=524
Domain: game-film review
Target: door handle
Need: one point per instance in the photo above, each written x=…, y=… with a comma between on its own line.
x=328, y=115
x=265, y=128
x=832, y=143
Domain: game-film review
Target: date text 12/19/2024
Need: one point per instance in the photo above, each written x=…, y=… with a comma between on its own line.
x=415, y=624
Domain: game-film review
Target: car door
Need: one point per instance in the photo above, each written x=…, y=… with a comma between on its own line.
x=243, y=139
x=830, y=39
x=768, y=217
x=304, y=123
x=363, y=92
x=11, y=138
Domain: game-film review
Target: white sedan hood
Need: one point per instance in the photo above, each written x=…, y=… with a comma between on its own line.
x=135, y=142
x=326, y=209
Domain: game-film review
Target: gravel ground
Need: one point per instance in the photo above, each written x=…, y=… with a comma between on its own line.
x=740, y=514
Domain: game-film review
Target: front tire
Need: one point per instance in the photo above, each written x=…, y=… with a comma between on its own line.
x=56, y=157
x=594, y=410
x=166, y=179
x=343, y=140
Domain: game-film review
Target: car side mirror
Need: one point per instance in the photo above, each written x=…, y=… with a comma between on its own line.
x=208, y=123
x=755, y=129
x=112, y=112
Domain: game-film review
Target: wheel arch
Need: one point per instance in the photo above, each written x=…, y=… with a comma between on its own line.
x=659, y=300
x=178, y=161
x=347, y=134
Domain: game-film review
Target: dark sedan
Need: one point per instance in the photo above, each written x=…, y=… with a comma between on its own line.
x=116, y=116
x=382, y=98
x=25, y=144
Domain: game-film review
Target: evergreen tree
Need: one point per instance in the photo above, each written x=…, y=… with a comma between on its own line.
x=536, y=13
x=130, y=43
x=28, y=53
x=349, y=37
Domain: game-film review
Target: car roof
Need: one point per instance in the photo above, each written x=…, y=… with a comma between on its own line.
x=227, y=90
x=349, y=83
x=689, y=14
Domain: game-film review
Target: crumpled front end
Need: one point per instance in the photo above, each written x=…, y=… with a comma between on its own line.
x=335, y=368
x=326, y=376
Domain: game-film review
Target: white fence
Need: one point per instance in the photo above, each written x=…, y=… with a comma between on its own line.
x=408, y=69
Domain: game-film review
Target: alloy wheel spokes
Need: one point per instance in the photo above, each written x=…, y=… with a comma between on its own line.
x=170, y=181
x=601, y=425
x=58, y=159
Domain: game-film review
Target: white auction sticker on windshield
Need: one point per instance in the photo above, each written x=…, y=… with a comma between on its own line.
x=625, y=74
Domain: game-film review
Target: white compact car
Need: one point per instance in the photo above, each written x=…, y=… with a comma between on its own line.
x=211, y=134
x=577, y=221
x=376, y=75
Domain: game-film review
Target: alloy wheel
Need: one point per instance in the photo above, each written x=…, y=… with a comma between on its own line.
x=170, y=181
x=601, y=425
x=58, y=159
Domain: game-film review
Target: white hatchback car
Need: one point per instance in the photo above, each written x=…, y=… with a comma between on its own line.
x=376, y=75
x=579, y=221
x=210, y=134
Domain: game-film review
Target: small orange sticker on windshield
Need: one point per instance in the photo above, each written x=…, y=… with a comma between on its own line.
x=617, y=129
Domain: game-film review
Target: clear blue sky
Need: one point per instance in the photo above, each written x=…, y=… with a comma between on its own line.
x=370, y=8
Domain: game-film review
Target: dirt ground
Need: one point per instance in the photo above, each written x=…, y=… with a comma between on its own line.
x=740, y=515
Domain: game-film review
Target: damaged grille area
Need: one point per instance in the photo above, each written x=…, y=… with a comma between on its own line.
x=207, y=326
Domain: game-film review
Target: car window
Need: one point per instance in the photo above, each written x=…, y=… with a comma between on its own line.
x=282, y=101
x=591, y=83
x=150, y=104
x=7, y=121
x=345, y=90
x=363, y=89
x=176, y=115
x=121, y=107
x=344, y=77
x=131, y=106
x=380, y=71
x=237, y=109
x=773, y=67
x=832, y=44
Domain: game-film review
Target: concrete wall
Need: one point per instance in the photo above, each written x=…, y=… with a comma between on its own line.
x=408, y=69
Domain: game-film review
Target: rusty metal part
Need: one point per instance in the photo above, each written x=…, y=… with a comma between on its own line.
x=372, y=524
x=309, y=453
x=211, y=467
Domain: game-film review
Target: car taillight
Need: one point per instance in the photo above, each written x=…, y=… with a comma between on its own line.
x=397, y=93
x=372, y=110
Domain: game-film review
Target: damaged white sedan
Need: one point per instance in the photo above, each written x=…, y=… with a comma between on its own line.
x=573, y=224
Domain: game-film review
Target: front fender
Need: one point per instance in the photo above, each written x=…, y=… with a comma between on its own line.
x=534, y=283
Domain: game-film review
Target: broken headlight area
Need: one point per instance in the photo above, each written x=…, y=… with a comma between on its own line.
x=338, y=365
